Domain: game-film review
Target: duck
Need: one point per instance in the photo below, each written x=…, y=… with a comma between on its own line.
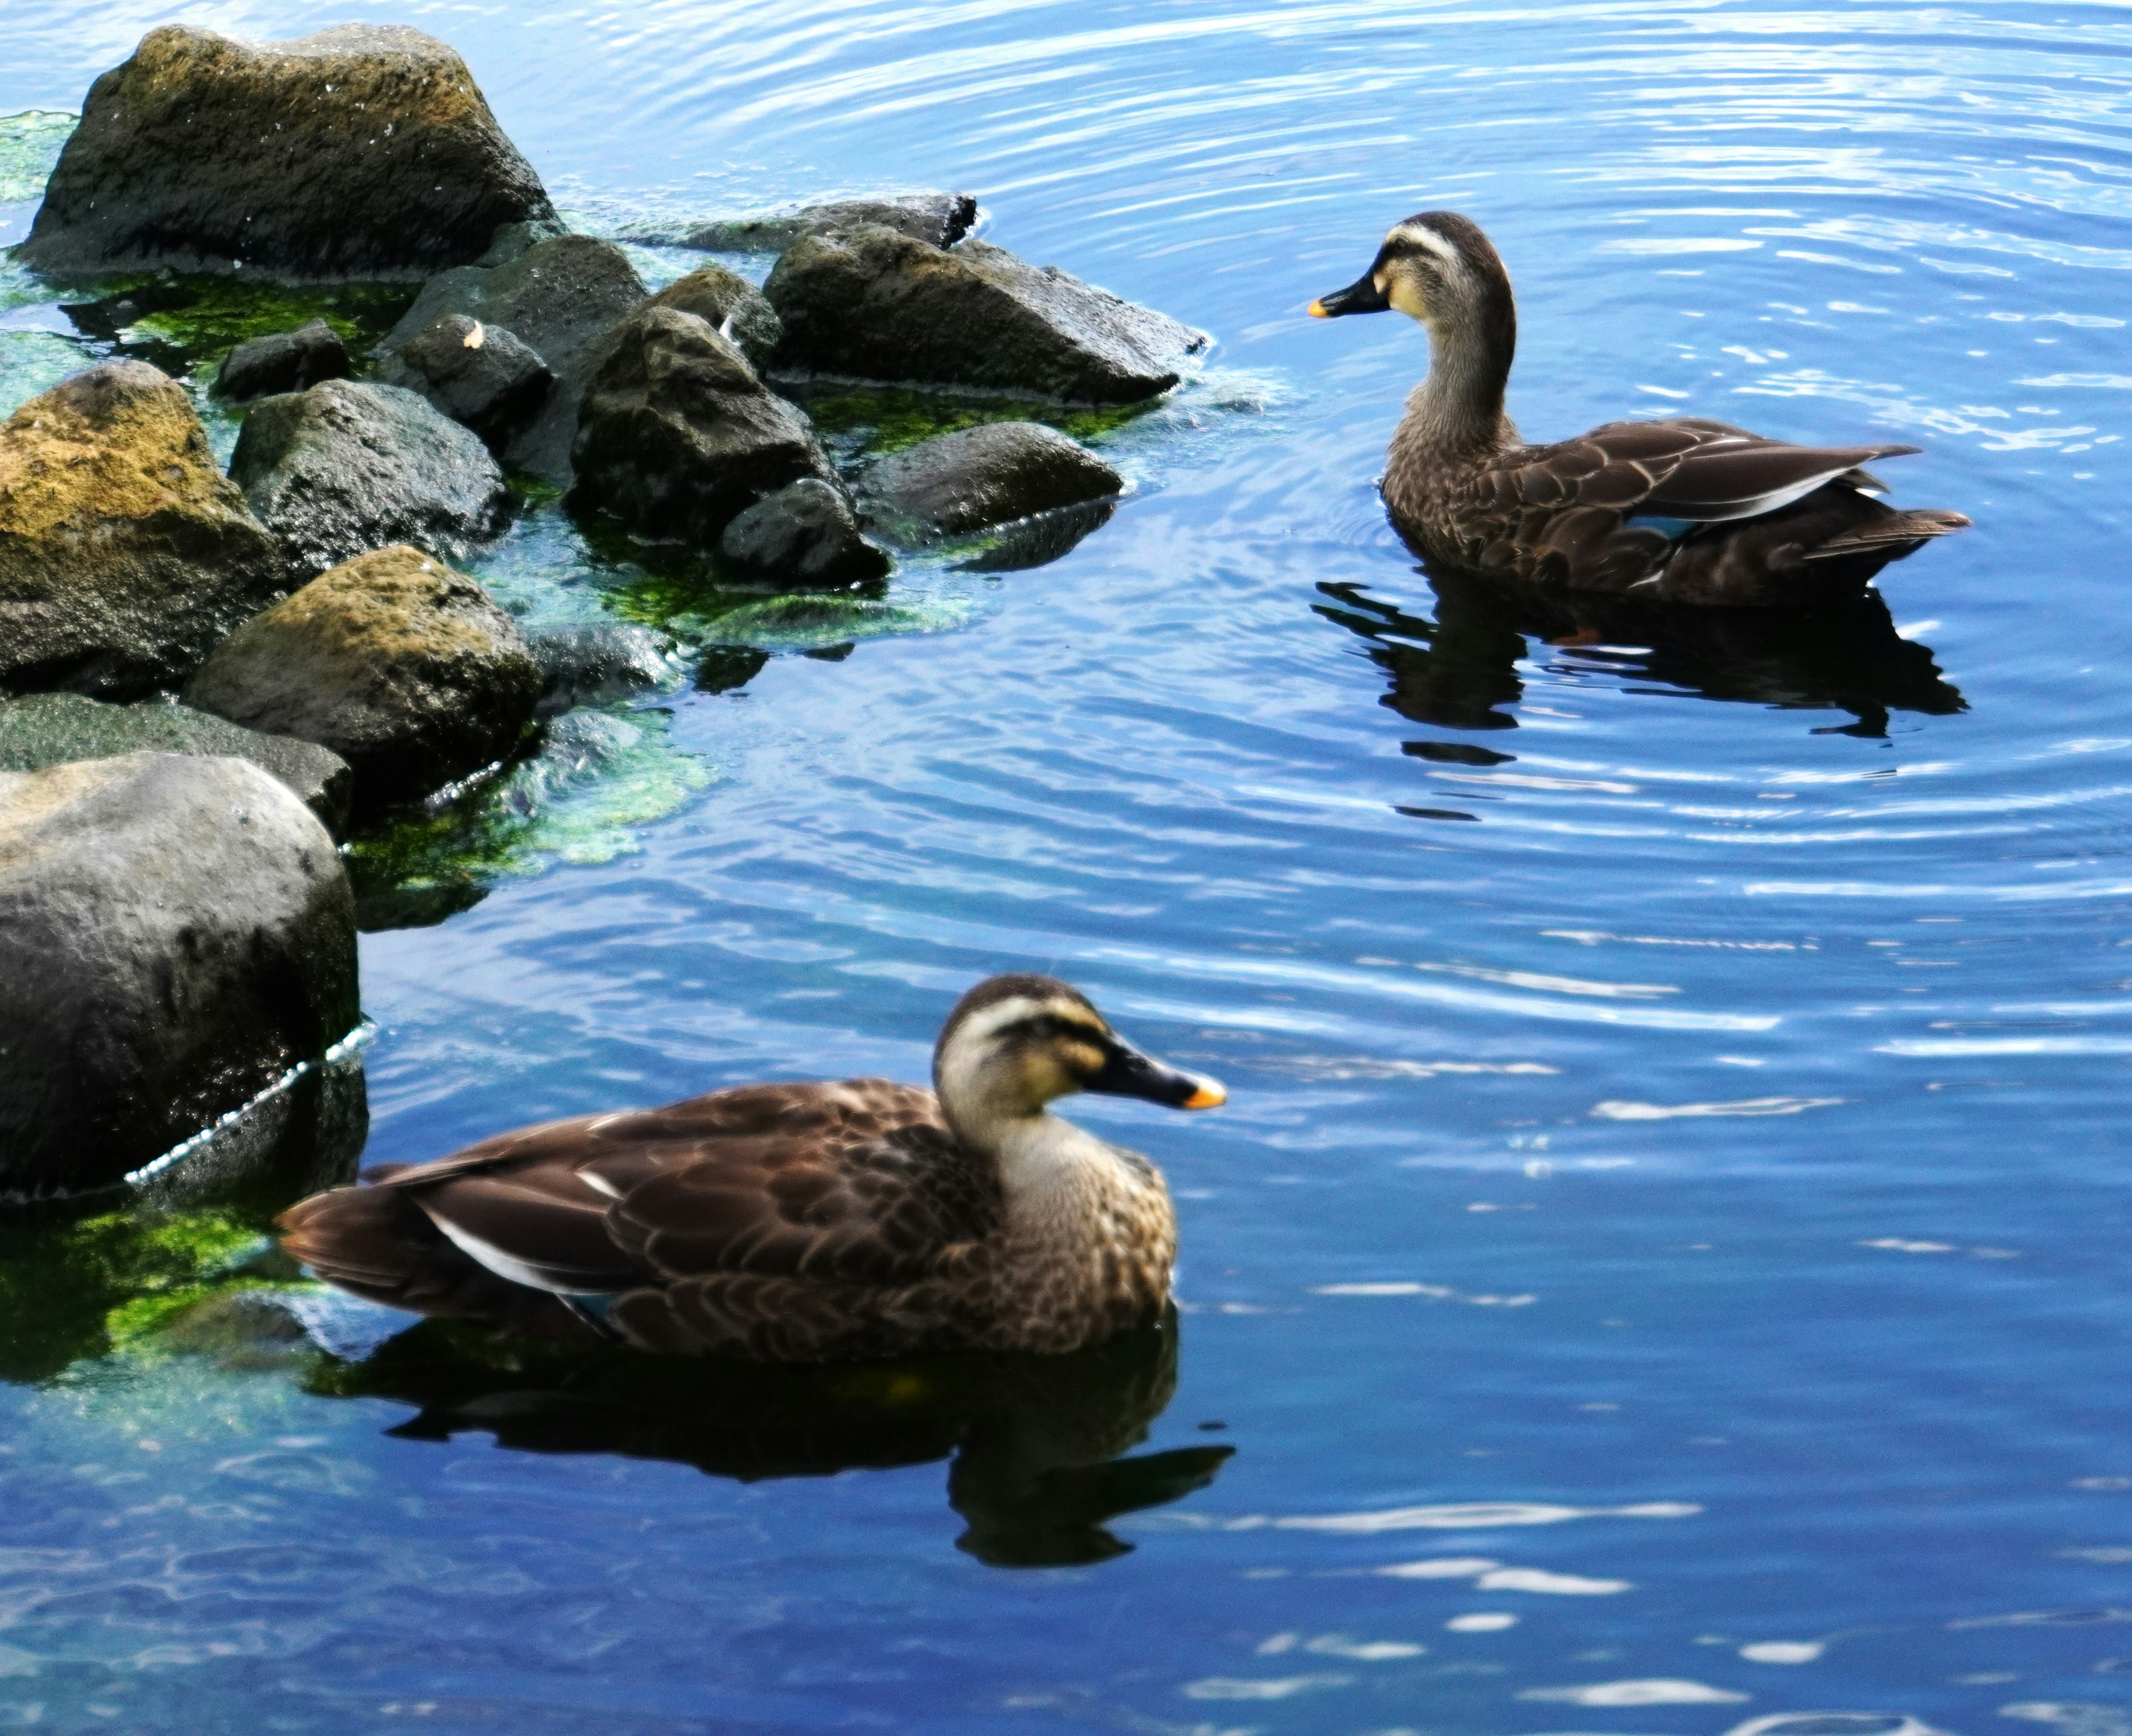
x=807, y=1221
x=1683, y=510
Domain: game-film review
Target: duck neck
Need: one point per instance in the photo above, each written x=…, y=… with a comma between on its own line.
x=1459, y=407
x=1041, y=1160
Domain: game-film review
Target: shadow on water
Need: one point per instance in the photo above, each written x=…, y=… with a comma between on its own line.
x=1460, y=671
x=1037, y=1442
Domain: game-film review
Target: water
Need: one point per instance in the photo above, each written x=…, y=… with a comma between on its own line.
x=1662, y=1268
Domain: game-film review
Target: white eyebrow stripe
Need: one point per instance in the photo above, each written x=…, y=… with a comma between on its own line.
x=1429, y=239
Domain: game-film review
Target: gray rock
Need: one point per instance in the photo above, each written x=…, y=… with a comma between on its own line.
x=677, y=436
x=730, y=304
x=595, y=662
x=125, y=554
x=282, y=361
x=560, y=297
x=401, y=666
x=1037, y=541
x=176, y=934
x=804, y=534
x=956, y=484
x=480, y=376
x=871, y=304
x=939, y=219
x=515, y=240
x=345, y=467
x=48, y=729
x=362, y=152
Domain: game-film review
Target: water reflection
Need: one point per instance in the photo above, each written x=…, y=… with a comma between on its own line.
x=1037, y=1442
x=1460, y=671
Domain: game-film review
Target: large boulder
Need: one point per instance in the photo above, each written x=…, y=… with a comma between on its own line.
x=176, y=934
x=482, y=376
x=559, y=296
x=677, y=436
x=125, y=554
x=403, y=667
x=956, y=484
x=362, y=151
x=48, y=729
x=804, y=534
x=347, y=467
x=939, y=219
x=282, y=361
x=874, y=306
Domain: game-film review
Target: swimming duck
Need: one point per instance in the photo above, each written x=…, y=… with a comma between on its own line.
x=1682, y=511
x=801, y=1222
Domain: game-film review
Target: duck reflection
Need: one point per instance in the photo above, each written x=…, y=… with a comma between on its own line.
x=1460, y=671
x=1037, y=1442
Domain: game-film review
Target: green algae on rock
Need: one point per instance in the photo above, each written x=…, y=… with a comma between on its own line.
x=30, y=144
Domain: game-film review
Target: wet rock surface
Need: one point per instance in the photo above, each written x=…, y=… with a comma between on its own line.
x=595, y=662
x=176, y=934
x=939, y=219
x=360, y=152
x=403, y=667
x=125, y=555
x=282, y=361
x=729, y=304
x=871, y=304
x=677, y=435
x=347, y=467
x=48, y=729
x=804, y=533
x=481, y=376
x=956, y=484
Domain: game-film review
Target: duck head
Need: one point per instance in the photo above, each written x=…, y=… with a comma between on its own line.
x=1015, y=1044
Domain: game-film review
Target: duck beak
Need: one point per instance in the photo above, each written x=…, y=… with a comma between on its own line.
x=1129, y=1073
x=1361, y=296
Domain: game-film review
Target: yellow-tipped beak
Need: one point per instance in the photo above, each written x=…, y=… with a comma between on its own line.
x=1317, y=311
x=1209, y=1096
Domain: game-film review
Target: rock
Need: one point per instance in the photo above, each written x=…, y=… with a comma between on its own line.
x=362, y=152
x=125, y=554
x=480, y=376
x=346, y=467
x=560, y=297
x=401, y=666
x=804, y=533
x=48, y=729
x=939, y=219
x=958, y=483
x=1039, y=541
x=730, y=304
x=594, y=664
x=282, y=361
x=677, y=436
x=871, y=304
x=176, y=934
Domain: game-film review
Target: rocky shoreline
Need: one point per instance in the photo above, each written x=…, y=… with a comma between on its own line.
x=206, y=678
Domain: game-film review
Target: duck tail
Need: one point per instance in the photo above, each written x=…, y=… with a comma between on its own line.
x=1891, y=537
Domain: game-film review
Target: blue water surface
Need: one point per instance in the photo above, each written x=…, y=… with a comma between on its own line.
x=1662, y=1267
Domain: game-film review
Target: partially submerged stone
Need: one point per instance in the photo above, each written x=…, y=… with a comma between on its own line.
x=348, y=467
x=176, y=934
x=360, y=152
x=481, y=376
x=730, y=304
x=48, y=729
x=956, y=484
x=677, y=436
x=282, y=361
x=939, y=219
x=125, y=554
x=873, y=306
x=403, y=667
x=598, y=662
x=803, y=534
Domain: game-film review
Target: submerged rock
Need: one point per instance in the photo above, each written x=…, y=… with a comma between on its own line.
x=806, y=535
x=125, y=554
x=360, y=152
x=729, y=304
x=176, y=934
x=558, y=297
x=595, y=662
x=939, y=219
x=401, y=666
x=956, y=484
x=872, y=304
x=677, y=436
x=346, y=467
x=282, y=361
x=48, y=729
x=481, y=376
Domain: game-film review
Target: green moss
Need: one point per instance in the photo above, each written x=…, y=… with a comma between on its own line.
x=225, y=311
x=29, y=145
